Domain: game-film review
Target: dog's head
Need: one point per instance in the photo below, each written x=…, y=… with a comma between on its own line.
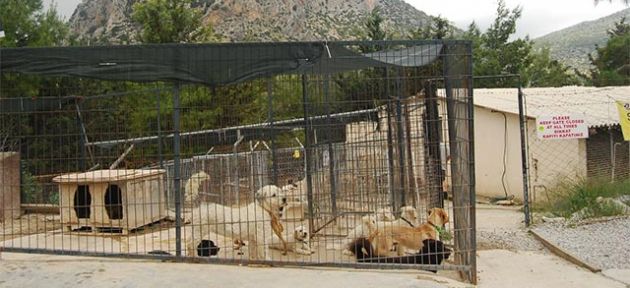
x=272, y=199
x=384, y=214
x=370, y=222
x=200, y=176
x=437, y=217
x=410, y=214
x=301, y=234
x=294, y=193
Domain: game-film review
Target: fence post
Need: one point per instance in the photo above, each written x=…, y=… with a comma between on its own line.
x=307, y=154
x=331, y=160
x=177, y=171
x=274, y=163
x=401, y=141
x=390, y=148
x=524, y=161
x=461, y=135
x=159, y=131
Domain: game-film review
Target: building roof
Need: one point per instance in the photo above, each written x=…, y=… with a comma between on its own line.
x=595, y=104
x=100, y=176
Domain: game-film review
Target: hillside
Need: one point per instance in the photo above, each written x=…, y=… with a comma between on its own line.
x=269, y=20
x=572, y=45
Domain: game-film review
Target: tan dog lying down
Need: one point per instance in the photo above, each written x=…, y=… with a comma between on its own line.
x=383, y=218
x=400, y=236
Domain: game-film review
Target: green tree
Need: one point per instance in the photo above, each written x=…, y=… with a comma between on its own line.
x=373, y=25
x=171, y=21
x=496, y=53
x=547, y=72
x=26, y=23
x=436, y=28
x=612, y=62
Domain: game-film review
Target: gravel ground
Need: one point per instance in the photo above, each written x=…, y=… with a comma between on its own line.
x=513, y=240
x=603, y=244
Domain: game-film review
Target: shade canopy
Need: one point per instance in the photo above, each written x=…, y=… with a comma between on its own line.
x=210, y=64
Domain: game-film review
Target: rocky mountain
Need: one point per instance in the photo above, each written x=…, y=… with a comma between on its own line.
x=572, y=45
x=261, y=20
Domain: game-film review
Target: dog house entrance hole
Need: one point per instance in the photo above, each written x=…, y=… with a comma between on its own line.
x=113, y=202
x=82, y=201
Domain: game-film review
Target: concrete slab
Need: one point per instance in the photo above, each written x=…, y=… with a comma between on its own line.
x=502, y=268
x=621, y=275
x=25, y=270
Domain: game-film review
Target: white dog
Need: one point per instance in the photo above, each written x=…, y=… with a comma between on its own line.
x=191, y=189
x=251, y=223
x=299, y=242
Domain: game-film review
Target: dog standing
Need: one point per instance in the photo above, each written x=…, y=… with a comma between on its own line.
x=251, y=223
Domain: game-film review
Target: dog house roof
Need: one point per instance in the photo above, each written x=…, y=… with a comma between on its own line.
x=100, y=176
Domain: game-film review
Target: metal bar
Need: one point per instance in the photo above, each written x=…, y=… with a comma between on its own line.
x=459, y=154
x=524, y=161
x=401, y=141
x=390, y=147
x=122, y=157
x=471, y=168
x=307, y=154
x=274, y=160
x=237, y=178
x=159, y=131
x=177, y=171
x=84, y=139
x=264, y=125
x=331, y=155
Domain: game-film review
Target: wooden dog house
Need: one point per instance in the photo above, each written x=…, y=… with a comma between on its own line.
x=111, y=201
x=9, y=186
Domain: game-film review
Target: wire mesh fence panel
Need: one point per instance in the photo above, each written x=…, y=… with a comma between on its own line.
x=339, y=153
x=573, y=140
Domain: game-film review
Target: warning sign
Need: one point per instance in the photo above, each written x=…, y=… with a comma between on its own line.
x=561, y=127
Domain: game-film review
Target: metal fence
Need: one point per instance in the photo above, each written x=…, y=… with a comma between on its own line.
x=562, y=154
x=293, y=141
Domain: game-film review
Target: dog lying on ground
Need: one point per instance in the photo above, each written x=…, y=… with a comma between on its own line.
x=405, y=236
x=433, y=253
x=408, y=218
x=207, y=248
x=251, y=223
x=299, y=242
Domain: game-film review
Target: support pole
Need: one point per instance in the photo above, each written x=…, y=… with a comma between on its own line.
x=331, y=156
x=274, y=163
x=177, y=172
x=307, y=154
x=159, y=131
x=390, y=147
x=524, y=162
x=401, y=142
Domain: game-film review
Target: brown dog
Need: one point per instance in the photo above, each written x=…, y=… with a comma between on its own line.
x=401, y=237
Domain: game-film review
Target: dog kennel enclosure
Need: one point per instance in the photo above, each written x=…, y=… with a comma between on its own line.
x=349, y=128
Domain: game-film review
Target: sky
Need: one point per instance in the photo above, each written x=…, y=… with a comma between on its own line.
x=539, y=17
